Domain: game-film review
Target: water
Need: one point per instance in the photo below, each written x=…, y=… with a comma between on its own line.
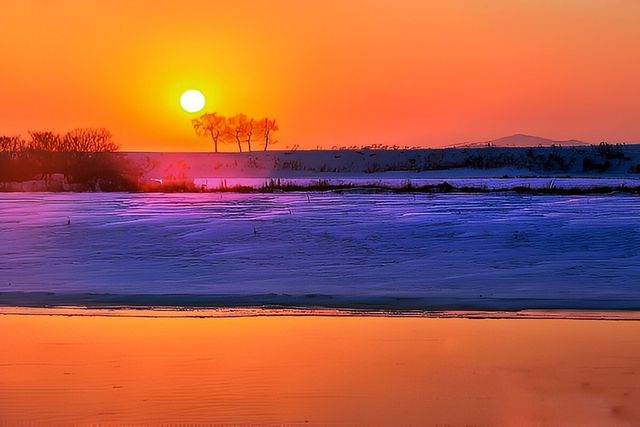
x=317, y=371
x=422, y=250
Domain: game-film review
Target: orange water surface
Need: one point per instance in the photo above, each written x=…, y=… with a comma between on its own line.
x=318, y=370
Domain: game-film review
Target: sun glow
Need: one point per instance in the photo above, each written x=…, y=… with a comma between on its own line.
x=192, y=101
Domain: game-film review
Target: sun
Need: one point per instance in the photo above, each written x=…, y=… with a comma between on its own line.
x=192, y=101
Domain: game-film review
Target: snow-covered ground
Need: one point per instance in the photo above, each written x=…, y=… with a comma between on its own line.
x=373, y=165
x=479, y=250
x=456, y=178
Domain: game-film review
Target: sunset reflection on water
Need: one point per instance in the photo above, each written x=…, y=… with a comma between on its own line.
x=322, y=370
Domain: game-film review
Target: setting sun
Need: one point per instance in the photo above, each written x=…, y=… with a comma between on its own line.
x=192, y=101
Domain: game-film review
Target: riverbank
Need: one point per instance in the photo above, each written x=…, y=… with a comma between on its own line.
x=427, y=170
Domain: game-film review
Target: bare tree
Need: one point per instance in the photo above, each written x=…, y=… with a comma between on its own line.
x=12, y=145
x=266, y=127
x=45, y=142
x=89, y=141
x=237, y=129
x=249, y=127
x=211, y=124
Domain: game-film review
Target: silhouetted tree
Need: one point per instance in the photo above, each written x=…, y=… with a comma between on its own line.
x=45, y=142
x=213, y=125
x=236, y=129
x=84, y=156
x=266, y=127
x=89, y=141
x=249, y=127
x=12, y=145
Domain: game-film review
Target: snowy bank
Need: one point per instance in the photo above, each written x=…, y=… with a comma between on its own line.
x=391, y=167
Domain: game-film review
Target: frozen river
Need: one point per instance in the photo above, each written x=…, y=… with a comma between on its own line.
x=404, y=250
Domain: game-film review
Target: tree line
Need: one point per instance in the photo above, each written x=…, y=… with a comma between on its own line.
x=86, y=157
x=75, y=141
x=238, y=130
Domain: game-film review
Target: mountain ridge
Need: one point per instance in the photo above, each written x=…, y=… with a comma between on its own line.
x=521, y=140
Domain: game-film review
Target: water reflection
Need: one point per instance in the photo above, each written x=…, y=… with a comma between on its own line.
x=320, y=370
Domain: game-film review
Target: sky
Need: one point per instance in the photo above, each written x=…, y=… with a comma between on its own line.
x=332, y=72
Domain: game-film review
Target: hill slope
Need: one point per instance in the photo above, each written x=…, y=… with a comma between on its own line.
x=522, y=140
x=593, y=161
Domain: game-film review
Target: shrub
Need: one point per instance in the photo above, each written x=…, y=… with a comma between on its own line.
x=589, y=165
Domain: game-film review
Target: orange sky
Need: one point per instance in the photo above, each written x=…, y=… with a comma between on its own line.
x=414, y=72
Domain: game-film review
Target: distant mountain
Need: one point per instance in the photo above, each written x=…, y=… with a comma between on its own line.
x=520, y=140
